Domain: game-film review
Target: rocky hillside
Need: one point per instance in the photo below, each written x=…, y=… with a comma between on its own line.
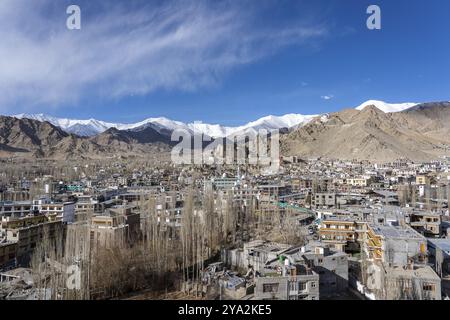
x=420, y=133
x=35, y=139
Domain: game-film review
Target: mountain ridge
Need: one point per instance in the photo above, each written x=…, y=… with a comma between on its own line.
x=371, y=134
x=419, y=133
x=92, y=127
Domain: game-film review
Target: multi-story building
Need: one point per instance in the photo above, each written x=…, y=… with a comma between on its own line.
x=422, y=180
x=394, y=245
x=331, y=266
x=15, y=209
x=341, y=233
x=359, y=182
x=64, y=211
x=426, y=223
x=29, y=231
x=439, y=257
x=409, y=283
x=118, y=227
x=8, y=254
x=294, y=283
x=321, y=200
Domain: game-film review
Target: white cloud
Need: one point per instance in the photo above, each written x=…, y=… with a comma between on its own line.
x=327, y=97
x=118, y=52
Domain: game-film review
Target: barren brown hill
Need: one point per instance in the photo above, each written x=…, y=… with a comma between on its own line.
x=34, y=139
x=418, y=134
x=421, y=133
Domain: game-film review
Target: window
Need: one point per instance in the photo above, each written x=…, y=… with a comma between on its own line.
x=313, y=284
x=270, y=287
x=428, y=287
x=301, y=286
x=292, y=286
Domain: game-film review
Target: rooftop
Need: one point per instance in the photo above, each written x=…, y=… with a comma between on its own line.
x=395, y=232
x=443, y=244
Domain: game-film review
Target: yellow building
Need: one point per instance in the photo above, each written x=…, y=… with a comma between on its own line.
x=422, y=179
x=341, y=234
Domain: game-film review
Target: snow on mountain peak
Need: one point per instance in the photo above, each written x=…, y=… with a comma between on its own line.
x=164, y=125
x=387, y=107
x=92, y=126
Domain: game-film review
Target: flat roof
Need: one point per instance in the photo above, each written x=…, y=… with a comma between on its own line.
x=443, y=244
x=423, y=272
x=396, y=232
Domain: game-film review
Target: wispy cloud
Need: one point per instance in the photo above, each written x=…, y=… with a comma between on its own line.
x=121, y=51
x=327, y=97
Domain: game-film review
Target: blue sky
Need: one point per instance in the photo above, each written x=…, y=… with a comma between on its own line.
x=226, y=62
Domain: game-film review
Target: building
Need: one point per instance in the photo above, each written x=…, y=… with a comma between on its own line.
x=422, y=180
x=8, y=254
x=426, y=223
x=394, y=245
x=28, y=232
x=439, y=257
x=118, y=227
x=15, y=209
x=359, y=182
x=331, y=266
x=321, y=200
x=64, y=211
x=341, y=233
x=282, y=281
x=410, y=283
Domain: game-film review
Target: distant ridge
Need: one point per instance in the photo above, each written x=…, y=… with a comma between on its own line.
x=92, y=127
x=418, y=133
x=387, y=107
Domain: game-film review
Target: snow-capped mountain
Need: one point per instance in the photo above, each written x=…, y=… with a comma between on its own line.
x=80, y=127
x=387, y=107
x=163, y=125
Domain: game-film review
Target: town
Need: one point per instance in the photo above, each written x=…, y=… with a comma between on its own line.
x=134, y=229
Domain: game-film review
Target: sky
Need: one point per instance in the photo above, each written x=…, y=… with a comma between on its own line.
x=227, y=62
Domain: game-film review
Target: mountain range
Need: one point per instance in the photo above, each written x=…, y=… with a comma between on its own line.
x=375, y=130
x=419, y=133
x=92, y=127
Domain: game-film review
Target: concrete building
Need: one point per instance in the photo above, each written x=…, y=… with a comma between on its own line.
x=64, y=211
x=28, y=232
x=118, y=227
x=422, y=180
x=321, y=200
x=282, y=281
x=395, y=245
x=359, y=182
x=15, y=209
x=8, y=254
x=332, y=268
x=341, y=233
x=410, y=283
x=439, y=257
x=426, y=223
